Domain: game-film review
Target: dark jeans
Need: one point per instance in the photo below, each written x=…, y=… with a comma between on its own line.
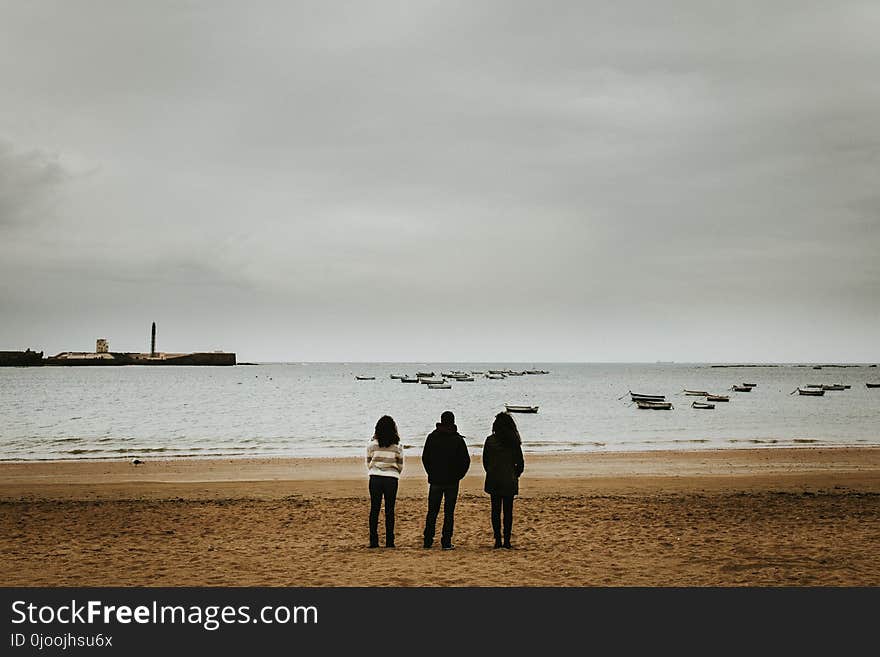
x=382, y=487
x=499, y=501
x=437, y=492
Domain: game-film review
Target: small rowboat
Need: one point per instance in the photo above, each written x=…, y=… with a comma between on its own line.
x=423, y=374
x=636, y=397
x=696, y=393
x=741, y=389
x=498, y=371
x=409, y=379
x=495, y=376
x=511, y=408
x=834, y=386
x=432, y=382
x=750, y=385
x=463, y=378
x=398, y=376
x=654, y=405
x=365, y=378
x=717, y=398
x=811, y=392
x=516, y=374
x=477, y=372
x=872, y=385
x=439, y=386
x=815, y=385
x=697, y=404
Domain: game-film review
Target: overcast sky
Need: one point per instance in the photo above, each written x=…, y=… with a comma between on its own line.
x=513, y=181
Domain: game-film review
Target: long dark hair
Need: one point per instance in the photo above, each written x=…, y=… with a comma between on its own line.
x=504, y=428
x=386, y=431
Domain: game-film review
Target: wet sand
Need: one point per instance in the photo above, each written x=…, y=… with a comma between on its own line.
x=765, y=516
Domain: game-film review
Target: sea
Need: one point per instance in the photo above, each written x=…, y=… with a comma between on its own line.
x=320, y=409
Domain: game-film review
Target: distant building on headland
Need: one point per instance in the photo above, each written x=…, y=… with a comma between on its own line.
x=103, y=356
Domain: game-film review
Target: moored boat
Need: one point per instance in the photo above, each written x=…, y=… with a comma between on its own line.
x=409, y=379
x=495, y=376
x=424, y=374
x=696, y=393
x=872, y=385
x=811, y=392
x=514, y=408
x=636, y=397
x=439, y=386
x=702, y=405
x=741, y=389
x=654, y=405
x=717, y=398
x=365, y=378
x=432, y=382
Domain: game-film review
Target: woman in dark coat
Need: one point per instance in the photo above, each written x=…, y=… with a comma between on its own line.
x=503, y=463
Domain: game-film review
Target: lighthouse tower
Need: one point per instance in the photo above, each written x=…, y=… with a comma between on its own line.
x=153, y=342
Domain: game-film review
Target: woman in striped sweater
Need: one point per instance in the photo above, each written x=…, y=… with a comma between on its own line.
x=384, y=465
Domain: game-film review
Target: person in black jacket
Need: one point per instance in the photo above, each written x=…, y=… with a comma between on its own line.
x=446, y=460
x=503, y=463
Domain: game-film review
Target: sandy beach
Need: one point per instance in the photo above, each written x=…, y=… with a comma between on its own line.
x=767, y=516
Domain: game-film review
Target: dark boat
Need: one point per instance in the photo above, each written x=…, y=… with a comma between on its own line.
x=741, y=389
x=872, y=385
x=422, y=374
x=512, y=408
x=409, y=379
x=702, y=405
x=696, y=393
x=717, y=398
x=636, y=397
x=365, y=378
x=439, y=386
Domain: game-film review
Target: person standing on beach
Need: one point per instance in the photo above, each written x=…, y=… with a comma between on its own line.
x=446, y=460
x=503, y=462
x=384, y=465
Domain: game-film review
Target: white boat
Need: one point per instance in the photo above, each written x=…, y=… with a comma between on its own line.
x=432, y=382
x=495, y=376
x=513, y=408
x=654, y=405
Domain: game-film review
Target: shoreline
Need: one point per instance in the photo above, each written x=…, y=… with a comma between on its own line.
x=747, y=517
x=660, y=470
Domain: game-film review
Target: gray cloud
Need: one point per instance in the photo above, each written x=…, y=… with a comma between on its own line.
x=605, y=181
